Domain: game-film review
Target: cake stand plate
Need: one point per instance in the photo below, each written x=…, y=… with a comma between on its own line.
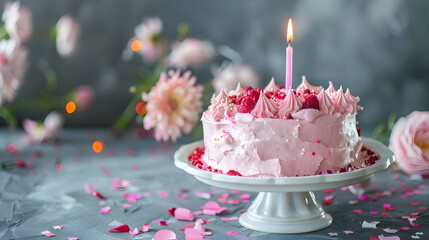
x=285, y=204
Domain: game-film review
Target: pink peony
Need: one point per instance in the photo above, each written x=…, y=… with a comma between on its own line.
x=228, y=77
x=68, y=31
x=18, y=22
x=42, y=132
x=191, y=52
x=13, y=63
x=149, y=33
x=173, y=105
x=410, y=143
x=83, y=97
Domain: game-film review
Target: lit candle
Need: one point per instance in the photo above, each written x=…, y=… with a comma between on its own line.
x=289, y=53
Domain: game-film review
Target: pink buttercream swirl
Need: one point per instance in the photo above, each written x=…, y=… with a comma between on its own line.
x=341, y=103
x=265, y=108
x=221, y=107
x=290, y=105
x=326, y=106
x=227, y=137
x=271, y=87
x=305, y=85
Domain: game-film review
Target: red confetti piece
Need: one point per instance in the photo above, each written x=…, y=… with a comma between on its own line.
x=234, y=201
x=357, y=210
x=243, y=211
x=387, y=207
x=122, y=228
x=373, y=238
x=327, y=202
x=12, y=149
x=422, y=208
x=49, y=234
x=96, y=194
x=20, y=163
x=374, y=199
x=363, y=197
x=161, y=223
x=412, y=223
x=385, y=214
x=396, y=176
x=171, y=211
x=329, y=191
x=373, y=212
x=189, y=225
x=414, y=214
x=145, y=228
x=232, y=233
x=405, y=228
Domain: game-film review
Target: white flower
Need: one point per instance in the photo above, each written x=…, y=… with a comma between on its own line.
x=13, y=64
x=149, y=33
x=18, y=21
x=68, y=31
x=43, y=132
x=228, y=77
x=191, y=52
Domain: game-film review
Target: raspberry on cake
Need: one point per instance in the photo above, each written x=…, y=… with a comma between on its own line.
x=277, y=132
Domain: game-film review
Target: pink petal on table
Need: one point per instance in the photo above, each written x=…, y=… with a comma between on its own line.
x=57, y=227
x=387, y=207
x=89, y=188
x=134, y=232
x=122, y=228
x=49, y=234
x=422, y=208
x=105, y=210
x=224, y=195
x=388, y=230
x=363, y=197
x=396, y=176
x=233, y=201
x=235, y=191
x=245, y=196
x=192, y=234
x=125, y=183
x=357, y=210
x=381, y=237
x=333, y=234
x=207, y=233
x=182, y=196
x=344, y=188
x=204, y=195
x=198, y=212
x=353, y=202
x=183, y=214
x=245, y=201
x=232, y=233
x=145, y=228
x=423, y=187
x=163, y=194
x=72, y=238
x=229, y=219
x=116, y=181
x=96, y=194
x=212, y=208
x=189, y=225
x=329, y=197
x=412, y=223
x=162, y=223
x=405, y=228
x=348, y=232
x=131, y=200
x=165, y=235
x=373, y=212
x=243, y=210
x=126, y=205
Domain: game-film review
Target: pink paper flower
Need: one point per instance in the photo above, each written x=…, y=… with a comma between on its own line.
x=13, y=64
x=68, y=31
x=191, y=52
x=173, y=105
x=410, y=143
x=43, y=132
x=18, y=21
x=149, y=32
x=83, y=97
x=228, y=77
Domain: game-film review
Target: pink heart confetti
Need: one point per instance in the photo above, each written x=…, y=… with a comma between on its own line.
x=163, y=194
x=232, y=233
x=183, y=214
x=189, y=225
x=388, y=230
x=245, y=196
x=145, y=228
x=48, y=233
x=161, y=223
x=344, y=188
x=382, y=237
x=233, y=201
x=328, y=191
x=230, y=219
x=348, y=232
x=165, y=235
x=212, y=208
x=122, y=228
x=373, y=238
x=243, y=211
x=333, y=234
x=57, y=227
x=134, y=232
x=105, y=210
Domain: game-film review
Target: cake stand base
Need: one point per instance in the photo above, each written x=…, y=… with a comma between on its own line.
x=285, y=212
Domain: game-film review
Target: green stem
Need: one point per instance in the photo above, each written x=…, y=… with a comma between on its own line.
x=7, y=115
x=39, y=103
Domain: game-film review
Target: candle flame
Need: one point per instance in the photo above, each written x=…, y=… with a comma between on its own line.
x=289, y=31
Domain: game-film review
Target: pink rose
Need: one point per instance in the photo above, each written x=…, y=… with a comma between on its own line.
x=67, y=36
x=18, y=22
x=410, y=143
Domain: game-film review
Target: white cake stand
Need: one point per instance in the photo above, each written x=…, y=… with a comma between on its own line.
x=285, y=205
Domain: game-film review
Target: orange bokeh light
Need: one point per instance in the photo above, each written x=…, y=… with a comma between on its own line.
x=97, y=146
x=70, y=107
x=141, y=108
x=136, y=45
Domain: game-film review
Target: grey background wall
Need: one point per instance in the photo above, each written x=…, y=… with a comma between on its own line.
x=379, y=48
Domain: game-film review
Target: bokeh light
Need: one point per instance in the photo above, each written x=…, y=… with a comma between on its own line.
x=136, y=45
x=141, y=108
x=70, y=107
x=97, y=146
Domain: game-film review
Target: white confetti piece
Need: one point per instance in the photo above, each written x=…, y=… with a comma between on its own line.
x=372, y=225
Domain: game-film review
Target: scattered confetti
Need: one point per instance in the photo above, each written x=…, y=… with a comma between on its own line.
x=329, y=197
x=372, y=225
x=333, y=234
x=232, y=233
x=348, y=232
x=212, y=208
x=122, y=228
x=382, y=237
x=57, y=227
x=165, y=235
x=134, y=232
x=388, y=230
x=105, y=210
x=183, y=214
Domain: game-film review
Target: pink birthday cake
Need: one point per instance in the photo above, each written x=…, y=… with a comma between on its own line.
x=282, y=133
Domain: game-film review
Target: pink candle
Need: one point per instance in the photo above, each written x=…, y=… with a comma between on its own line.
x=289, y=53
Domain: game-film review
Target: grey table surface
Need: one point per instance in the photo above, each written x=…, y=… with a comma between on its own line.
x=33, y=200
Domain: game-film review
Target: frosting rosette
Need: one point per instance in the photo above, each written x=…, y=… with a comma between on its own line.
x=410, y=143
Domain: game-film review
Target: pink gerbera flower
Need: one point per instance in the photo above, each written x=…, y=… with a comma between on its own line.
x=173, y=105
x=13, y=63
x=149, y=33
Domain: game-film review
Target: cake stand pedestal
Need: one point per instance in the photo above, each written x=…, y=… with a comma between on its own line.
x=287, y=204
